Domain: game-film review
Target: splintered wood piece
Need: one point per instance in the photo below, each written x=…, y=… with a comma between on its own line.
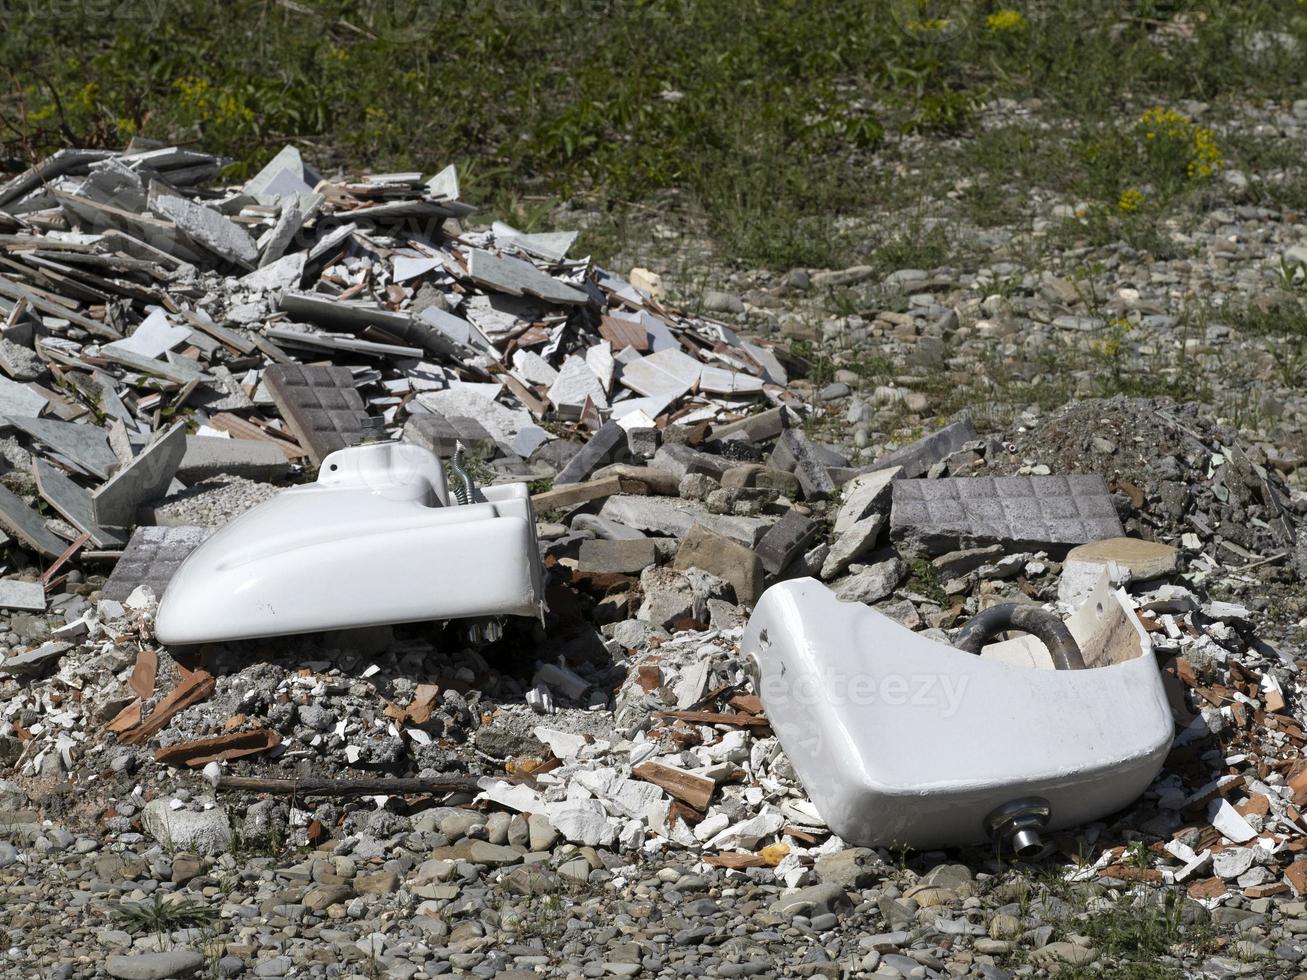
x=144, y=674
x=218, y=748
x=424, y=700
x=129, y=717
x=194, y=689
x=688, y=787
x=731, y=859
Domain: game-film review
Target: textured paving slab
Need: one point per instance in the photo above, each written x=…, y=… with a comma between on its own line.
x=73, y=503
x=151, y=558
x=1016, y=511
x=320, y=404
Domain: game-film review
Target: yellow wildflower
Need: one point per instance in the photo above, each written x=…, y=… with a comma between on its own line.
x=1006, y=21
x=1131, y=200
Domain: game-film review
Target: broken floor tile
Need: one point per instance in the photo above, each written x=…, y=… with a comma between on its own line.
x=87, y=446
x=320, y=405
x=28, y=526
x=73, y=503
x=1020, y=512
x=17, y=594
x=863, y=494
x=140, y=481
x=151, y=558
x=154, y=337
x=608, y=445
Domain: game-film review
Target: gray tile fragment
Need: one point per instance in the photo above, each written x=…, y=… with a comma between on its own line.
x=73, y=503
x=140, y=481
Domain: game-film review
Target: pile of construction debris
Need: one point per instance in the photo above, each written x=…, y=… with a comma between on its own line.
x=171, y=354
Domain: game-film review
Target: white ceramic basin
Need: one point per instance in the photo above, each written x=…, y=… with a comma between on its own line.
x=375, y=540
x=900, y=740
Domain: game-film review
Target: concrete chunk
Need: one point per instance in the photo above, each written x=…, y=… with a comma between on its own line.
x=624, y=557
x=795, y=455
x=1019, y=512
x=864, y=494
x=917, y=457
x=207, y=456
x=728, y=560
x=662, y=515
x=220, y=235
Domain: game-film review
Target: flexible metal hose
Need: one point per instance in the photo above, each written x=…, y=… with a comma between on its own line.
x=1045, y=626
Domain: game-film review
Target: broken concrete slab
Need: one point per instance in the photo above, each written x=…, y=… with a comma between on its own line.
x=621, y=557
x=663, y=515
x=1019, y=512
x=151, y=558
x=917, y=457
x=608, y=445
x=576, y=383
x=320, y=404
x=140, y=481
x=20, y=399
x=794, y=454
x=208, y=456
x=517, y=277
x=440, y=435
x=219, y=234
x=857, y=540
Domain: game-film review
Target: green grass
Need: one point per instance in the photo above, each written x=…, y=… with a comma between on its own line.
x=772, y=119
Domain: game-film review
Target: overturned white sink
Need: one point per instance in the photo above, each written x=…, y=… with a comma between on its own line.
x=377, y=539
x=901, y=740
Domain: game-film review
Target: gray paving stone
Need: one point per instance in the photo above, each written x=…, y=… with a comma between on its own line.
x=1025, y=512
x=151, y=557
x=436, y=432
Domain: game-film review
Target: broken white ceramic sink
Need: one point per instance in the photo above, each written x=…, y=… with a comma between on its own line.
x=901, y=740
x=379, y=538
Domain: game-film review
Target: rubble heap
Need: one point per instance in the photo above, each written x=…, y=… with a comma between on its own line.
x=171, y=355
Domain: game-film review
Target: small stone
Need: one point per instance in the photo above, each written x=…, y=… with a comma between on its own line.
x=155, y=966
